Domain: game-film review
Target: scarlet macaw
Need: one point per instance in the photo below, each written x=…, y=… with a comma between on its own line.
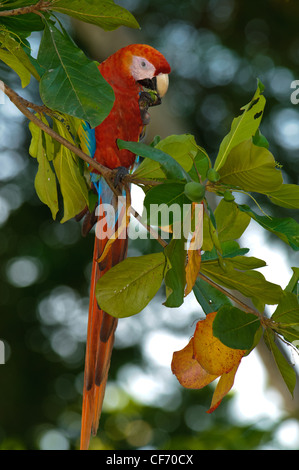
x=128, y=71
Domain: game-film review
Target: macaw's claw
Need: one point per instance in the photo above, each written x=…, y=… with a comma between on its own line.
x=121, y=172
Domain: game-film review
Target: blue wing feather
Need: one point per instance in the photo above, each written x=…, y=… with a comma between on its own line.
x=87, y=139
x=88, y=144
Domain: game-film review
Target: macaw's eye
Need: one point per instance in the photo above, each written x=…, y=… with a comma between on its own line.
x=143, y=64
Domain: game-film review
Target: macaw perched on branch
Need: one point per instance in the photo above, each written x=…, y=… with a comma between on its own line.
x=138, y=75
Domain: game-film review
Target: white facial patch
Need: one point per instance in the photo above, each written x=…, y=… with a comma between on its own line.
x=141, y=68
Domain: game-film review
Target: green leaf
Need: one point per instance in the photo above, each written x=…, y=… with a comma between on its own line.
x=11, y=4
x=23, y=25
x=13, y=54
x=251, y=168
x=286, y=196
x=229, y=249
x=287, y=317
x=165, y=200
x=150, y=169
x=42, y=148
x=129, y=286
x=201, y=165
x=105, y=14
x=284, y=228
x=230, y=221
x=166, y=193
x=72, y=84
x=170, y=166
x=244, y=263
x=72, y=184
x=293, y=285
x=243, y=127
x=287, y=310
x=208, y=227
x=286, y=370
x=260, y=85
x=230, y=225
x=235, y=328
x=209, y=298
x=16, y=65
x=182, y=148
x=252, y=284
x=210, y=235
x=175, y=274
x=232, y=250
x=260, y=140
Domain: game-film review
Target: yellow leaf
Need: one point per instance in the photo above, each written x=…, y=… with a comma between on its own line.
x=188, y=371
x=223, y=387
x=192, y=269
x=205, y=359
x=212, y=355
x=194, y=253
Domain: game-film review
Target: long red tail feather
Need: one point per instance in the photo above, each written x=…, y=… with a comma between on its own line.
x=100, y=340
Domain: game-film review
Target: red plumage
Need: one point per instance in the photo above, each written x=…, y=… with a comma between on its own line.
x=124, y=120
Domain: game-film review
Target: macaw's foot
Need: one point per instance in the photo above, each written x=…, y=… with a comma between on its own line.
x=121, y=172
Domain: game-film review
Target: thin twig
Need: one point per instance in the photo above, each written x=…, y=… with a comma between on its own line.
x=231, y=296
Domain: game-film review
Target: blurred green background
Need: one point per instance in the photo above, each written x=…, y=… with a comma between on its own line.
x=217, y=49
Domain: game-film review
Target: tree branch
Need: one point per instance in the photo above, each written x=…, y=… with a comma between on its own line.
x=41, y=5
x=38, y=108
x=244, y=306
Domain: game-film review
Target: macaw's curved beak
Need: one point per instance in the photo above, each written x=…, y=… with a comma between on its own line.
x=162, y=82
x=154, y=89
x=159, y=83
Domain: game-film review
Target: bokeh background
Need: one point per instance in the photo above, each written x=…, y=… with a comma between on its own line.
x=217, y=49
